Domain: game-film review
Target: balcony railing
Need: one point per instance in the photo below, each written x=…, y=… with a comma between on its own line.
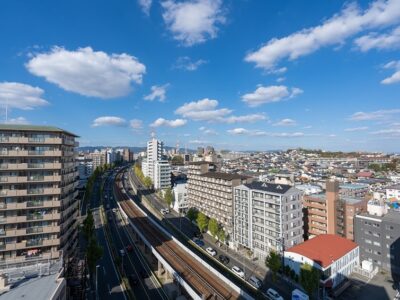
x=35, y=166
x=30, y=243
x=36, y=178
x=36, y=152
x=34, y=230
x=3, y=166
x=36, y=140
x=34, y=217
x=35, y=191
x=34, y=203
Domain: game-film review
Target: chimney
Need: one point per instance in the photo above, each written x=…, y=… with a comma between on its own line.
x=332, y=197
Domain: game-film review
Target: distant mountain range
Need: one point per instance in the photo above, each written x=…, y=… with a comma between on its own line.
x=134, y=149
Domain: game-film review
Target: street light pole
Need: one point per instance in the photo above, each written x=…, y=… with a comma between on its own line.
x=97, y=292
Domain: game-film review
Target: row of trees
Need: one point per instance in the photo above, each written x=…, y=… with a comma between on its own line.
x=148, y=183
x=204, y=223
x=309, y=276
x=169, y=197
x=93, y=251
x=392, y=166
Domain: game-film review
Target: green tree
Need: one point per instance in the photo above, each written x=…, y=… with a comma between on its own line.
x=168, y=196
x=177, y=160
x=192, y=214
x=93, y=253
x=273, y=262
x=213, y=227
x=221, y=235
x=88, y=226
x=147, y=182
x=202, y=221
x=309, y=278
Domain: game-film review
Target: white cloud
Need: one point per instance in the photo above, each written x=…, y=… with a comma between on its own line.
x=356, y=129
x=269, y=94
x=383, y=114
x=21, y=96
x=136, y=124
x=87, y=72
x=145, y=5
x=334, y=31
x=378, y=41
x=285, y=122
x=109, y=121
x=244, y=118
x=201, y=142
x=194, y=21
x=395, y=77
x=18, y=120
x=243, y=131
x=207, y=131
x=280, y=79
x=185, y=63
x=393, y=132
x=158, y=92
x=168, y=123
x=206, y=110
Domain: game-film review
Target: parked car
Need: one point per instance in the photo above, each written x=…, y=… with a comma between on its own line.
x=238, y=271
x=211, y=251
x=198, y=242
x=166, y=210
x=129, y=248
x=163, y=212
x=274, y=295
x=122, y=252
x=254, y=281
x=224, y=259
x=133, y=280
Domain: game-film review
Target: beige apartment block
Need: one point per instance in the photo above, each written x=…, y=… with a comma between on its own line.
x=38, y=196
x=211, y=192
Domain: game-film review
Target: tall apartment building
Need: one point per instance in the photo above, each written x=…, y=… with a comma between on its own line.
x=38, y=180
x=378, y=234
x=155, y=167
x=267, y=216
x=99, y=158
x=331, y=213
x=210, y=192
x=127, y=155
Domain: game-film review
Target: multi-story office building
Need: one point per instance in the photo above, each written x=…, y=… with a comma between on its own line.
x=331, y=213
x=38, y=205
x=378, y=234
x=210, y=192
x=162, y=175
x=85, y=168
x=127, y=155
x=267, y=216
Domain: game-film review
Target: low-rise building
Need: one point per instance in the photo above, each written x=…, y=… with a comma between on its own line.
x=180, y=197
x=267, y=216
x=393, y=193
x=335, y=256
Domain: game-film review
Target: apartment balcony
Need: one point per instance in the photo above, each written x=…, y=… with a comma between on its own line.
x=30, y=140
x=318, y=226
x=12, y=193
x=26, y=179
x=42, y=217
x=317, y=218
x=47, y=166
x=13, y=246
x=14, y=232
x=44, y=191
x=316, y=212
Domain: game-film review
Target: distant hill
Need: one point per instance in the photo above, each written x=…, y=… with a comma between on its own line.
x=134, y=149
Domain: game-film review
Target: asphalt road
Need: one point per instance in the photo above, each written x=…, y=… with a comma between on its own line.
x=189, y=229
x=133, y=262
x=108, y=282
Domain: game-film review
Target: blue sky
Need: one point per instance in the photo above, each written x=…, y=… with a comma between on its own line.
x=242, y=75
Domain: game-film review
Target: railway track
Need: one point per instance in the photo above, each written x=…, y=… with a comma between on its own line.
x=206, y=284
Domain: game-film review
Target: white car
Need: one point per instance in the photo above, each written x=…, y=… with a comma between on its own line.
x=254, y=281
x=122, y=252
x=211, y=251
x=238, y=271
x=274, y=295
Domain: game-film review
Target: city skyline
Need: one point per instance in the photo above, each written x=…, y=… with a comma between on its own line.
x=239, y=75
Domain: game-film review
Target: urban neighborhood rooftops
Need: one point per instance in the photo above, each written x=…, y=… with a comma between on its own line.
x=324, y=249
x=269, y=187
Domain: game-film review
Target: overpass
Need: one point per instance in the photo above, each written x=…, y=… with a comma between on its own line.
x=197, y=277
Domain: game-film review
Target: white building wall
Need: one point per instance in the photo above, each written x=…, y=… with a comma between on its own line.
x=180, y=196
x=162, y=175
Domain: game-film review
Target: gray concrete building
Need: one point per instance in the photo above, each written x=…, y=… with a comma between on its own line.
x=379, y=239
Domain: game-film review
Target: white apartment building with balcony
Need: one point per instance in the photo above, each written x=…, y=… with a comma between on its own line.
x=267, y=216
x=162, y=175
x=38, y=181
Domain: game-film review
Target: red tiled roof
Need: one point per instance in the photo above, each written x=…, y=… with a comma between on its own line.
x=324, y=248
x=364, y=174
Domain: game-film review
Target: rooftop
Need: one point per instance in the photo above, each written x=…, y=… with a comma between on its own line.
x=324, y=248
x=352, y=186
x=224, y=176
x=269, y=187
x=16, y=127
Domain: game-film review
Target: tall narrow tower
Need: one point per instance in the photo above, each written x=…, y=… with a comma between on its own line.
x=332, y=198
